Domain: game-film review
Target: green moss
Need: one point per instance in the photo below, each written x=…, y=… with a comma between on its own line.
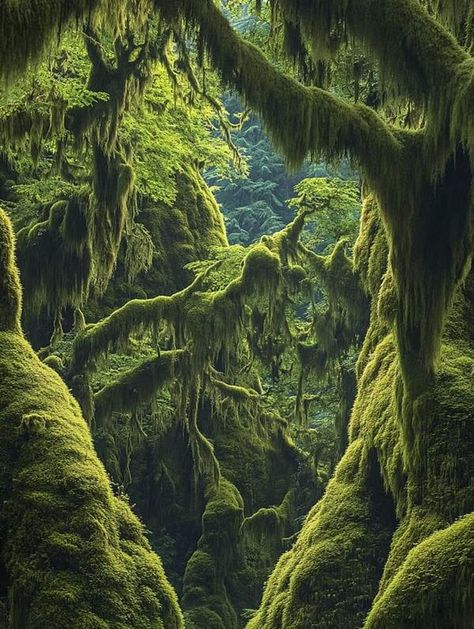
x=430, y=248
x=211, y=321
x=330, y=575
x=55, y=258
x=204, y=592
x=265, y=531
x=55, y=362
x=415, y=433
x=73, y=553
x=441, y=568
x=10, y=289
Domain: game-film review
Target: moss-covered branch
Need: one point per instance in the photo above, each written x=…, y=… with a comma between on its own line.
x=407, y=40
x=211, y=321
x=137, y=387
x=300, y=120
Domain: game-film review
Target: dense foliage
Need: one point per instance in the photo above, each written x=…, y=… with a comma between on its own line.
x=285, y=404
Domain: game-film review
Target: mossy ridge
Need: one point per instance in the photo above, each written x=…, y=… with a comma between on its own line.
x=441, y=567
x=74, y=553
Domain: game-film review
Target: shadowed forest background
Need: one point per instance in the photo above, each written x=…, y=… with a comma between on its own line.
x=236, y=314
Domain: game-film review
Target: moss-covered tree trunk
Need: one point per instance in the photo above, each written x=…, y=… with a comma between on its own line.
x=419, y=427
x=71, y=553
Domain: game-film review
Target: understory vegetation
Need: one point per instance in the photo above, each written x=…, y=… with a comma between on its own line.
x=236, y=314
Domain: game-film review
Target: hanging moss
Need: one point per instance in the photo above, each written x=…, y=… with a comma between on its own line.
x=113, y=187
x=420, y=433
x=55, y=258
x=137, y=387
x=303, y=120
x=428, y=73
x=265, y=531
x=29, y=27
x=300, y=120
x=211, y=320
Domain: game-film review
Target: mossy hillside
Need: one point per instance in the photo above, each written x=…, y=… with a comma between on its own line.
x=72, y=552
